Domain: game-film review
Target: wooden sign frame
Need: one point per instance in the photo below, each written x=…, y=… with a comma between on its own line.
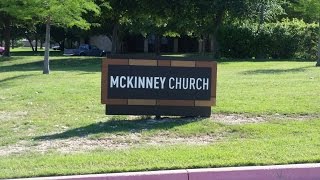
x=158, y=106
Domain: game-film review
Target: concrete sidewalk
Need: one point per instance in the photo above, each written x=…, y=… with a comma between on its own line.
x=290, y=172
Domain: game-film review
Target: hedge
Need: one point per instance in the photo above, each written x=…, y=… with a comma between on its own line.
x=285, y=39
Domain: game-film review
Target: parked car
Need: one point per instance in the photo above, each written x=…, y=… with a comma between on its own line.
x=1, y=50
x=56, y=48
x=85, y=50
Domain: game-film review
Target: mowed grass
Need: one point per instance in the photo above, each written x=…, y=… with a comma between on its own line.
x=66, y=105
x=268, y=87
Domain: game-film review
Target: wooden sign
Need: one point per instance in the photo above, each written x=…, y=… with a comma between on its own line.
x=158, y=87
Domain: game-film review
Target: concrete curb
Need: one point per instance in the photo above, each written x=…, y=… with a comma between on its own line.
x=296, y=171
x=292, y=172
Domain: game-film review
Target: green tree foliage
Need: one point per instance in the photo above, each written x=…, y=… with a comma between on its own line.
x=62, y=13
x=114, y=17
x=160, y=18
x=234, y=28
x=310, y=9
x=67, y=13
x=11, y=11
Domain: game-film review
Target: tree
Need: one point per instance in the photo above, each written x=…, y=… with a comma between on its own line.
x=63, y=13
x=261, y=12
x=311, y=12
x=11, y=10
x=141, y=16
x=31, y=30
x=153, y=17
x=6, y=24
x=116, y=13
x=208, y=16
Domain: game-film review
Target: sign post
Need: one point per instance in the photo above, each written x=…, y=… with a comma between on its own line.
x=158, y=87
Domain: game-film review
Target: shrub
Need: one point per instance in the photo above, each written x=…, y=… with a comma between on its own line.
x=285, y=39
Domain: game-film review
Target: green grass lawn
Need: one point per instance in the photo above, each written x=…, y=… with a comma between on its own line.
x=55, y=125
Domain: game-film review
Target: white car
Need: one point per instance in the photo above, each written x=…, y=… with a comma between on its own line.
x=56, y=47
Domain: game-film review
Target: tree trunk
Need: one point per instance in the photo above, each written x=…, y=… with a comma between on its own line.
x=115, y=39
x=36, y=44
x=175, y=45
x=261, y=18
x=7, y=34
x=318, y=61
x=61, y=44
x=12, y=43
x=200, y=45
x=146, y=45
x=157, y=45
x=46, y=69
x=120, y=46
x=260, y=52
x=214, y=45
x=214, y=42
x=41, y=43
x=204, y=43
x=30, y=41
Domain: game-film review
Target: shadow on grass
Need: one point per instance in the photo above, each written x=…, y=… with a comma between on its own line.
x=276, y=71
x=63, y=64
x=39, y=53
x=93, y=64
x=121, y=126
x=15, y=78
x=4, y=59
x=196, y=57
